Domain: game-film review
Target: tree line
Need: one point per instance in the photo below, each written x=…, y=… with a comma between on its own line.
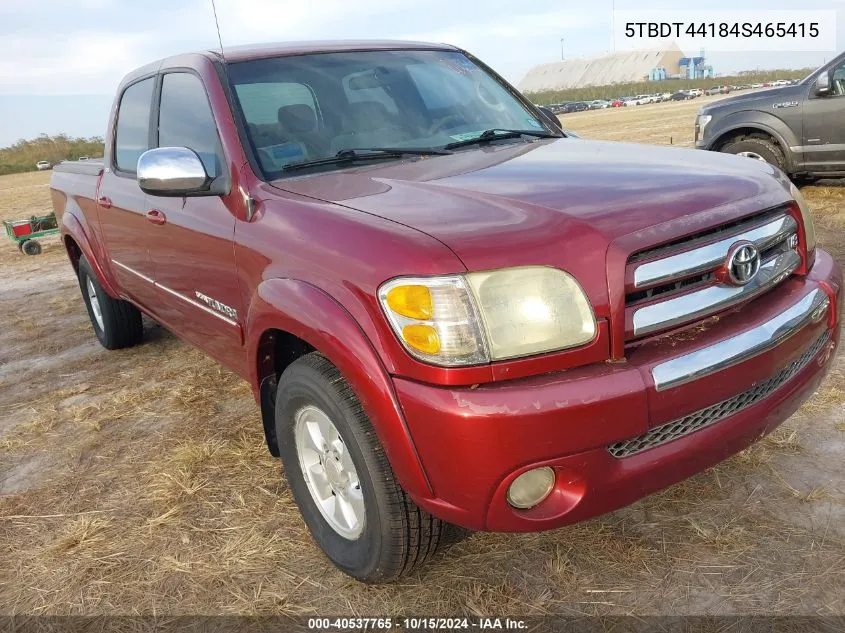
x=615, y=91
x=23, y=155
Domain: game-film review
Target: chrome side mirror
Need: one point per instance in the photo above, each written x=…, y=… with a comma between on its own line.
x=823, y=83
x=172, y=171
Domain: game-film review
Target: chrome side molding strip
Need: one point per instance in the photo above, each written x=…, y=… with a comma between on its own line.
x=710, y=256
x=133, y=271
x=736, y=349
x=698, y=304
x=178, y=295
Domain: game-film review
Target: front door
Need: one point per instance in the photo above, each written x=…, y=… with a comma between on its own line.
x=193, y=249
x=824, y=125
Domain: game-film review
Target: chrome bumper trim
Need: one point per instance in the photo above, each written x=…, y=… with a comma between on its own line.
x=699, y=304
x=731, y=351
x=712, y=255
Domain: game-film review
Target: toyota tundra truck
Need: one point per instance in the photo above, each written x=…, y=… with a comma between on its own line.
x=453, y=315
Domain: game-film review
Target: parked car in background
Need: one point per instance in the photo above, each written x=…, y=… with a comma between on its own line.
x=694, y=92
x=681, y=95
x=41, y=165
x=598, y=104
x=799, y=129
x=575, y=106
x=618, y=103
x=456, y=316
x=666, y=96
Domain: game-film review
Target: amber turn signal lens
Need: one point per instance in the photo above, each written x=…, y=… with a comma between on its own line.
x=412, y=301
x=422, y=337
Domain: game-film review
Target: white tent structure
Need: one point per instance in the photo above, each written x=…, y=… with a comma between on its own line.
x=614, y=68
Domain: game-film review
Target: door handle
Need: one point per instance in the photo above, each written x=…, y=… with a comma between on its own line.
x=104, y=202
x=156, y=217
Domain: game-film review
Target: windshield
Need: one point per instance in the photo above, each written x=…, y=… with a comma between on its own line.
x=310, y=107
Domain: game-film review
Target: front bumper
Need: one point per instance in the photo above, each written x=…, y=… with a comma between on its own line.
x=617, y=432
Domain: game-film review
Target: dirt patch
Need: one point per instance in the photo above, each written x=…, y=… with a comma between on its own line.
x=138, y=482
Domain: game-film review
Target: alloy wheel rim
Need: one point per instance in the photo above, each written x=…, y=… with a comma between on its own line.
x=330, y=474
x=95, y=303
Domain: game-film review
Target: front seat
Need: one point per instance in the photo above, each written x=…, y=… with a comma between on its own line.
x=367, y=124
x=298, y=123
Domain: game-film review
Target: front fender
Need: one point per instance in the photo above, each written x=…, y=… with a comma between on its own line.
x=762, y=121
x=318, y=319
x=79, y=231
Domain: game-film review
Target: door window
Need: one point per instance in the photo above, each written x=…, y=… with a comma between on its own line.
x=185, y=119
x=132, y=135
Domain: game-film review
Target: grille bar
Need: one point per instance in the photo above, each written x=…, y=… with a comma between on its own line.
x=710, y=256
x=710, y=415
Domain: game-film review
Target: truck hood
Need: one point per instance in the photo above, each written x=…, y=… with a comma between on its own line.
x=756, y=100
x=531, y=202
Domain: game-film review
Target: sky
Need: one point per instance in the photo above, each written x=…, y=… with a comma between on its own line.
x=61, y=60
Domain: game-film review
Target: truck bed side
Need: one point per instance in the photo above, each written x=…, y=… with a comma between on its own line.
x=73, y=191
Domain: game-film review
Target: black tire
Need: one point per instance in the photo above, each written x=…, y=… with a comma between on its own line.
x=30, y=247
x=397, y=535
x=121, y=321
x=766, y=149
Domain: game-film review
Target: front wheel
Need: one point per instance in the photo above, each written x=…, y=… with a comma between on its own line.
x=757, y=148
x=30, y=247
x=342, y=482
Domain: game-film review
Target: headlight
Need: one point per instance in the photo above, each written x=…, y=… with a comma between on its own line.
x=493, y=315
x=806, y=217
x=701, y=121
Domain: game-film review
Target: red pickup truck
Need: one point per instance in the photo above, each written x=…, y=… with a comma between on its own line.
x=452, y=313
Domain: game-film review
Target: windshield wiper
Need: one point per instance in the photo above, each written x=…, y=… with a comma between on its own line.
x=366, y=153
x=495, y=134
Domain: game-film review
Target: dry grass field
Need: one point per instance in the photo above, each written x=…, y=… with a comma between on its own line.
x=137, y=482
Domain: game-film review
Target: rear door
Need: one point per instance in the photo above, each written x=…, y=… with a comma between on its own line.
x=193, y=246
x=121, y=203
x=824, y=125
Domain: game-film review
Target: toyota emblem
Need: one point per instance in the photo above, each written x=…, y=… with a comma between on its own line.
x=743, y=263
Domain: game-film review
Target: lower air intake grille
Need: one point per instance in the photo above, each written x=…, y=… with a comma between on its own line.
x=714, y=413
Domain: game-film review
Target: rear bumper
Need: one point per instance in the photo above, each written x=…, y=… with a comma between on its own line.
x=617, y=432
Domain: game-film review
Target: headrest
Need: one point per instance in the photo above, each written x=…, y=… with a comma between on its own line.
x=297, y=118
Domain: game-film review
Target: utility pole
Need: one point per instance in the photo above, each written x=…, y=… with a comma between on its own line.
x=561, y=49
x=613, y=23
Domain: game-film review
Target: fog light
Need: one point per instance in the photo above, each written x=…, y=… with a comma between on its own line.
x=531, y=487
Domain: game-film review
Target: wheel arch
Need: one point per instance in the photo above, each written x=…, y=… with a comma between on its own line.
x=289, y=318
x=77, y=245
x=750, y=124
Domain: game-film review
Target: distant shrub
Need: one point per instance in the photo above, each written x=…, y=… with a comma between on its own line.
x=23, y=155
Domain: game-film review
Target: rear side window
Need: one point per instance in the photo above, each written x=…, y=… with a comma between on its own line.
x=440, y=87
x=260, y=102
x=356, y=89
x=133, y=125
x=185, y=119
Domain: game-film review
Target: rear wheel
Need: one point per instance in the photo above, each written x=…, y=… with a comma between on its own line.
x=116, y=323
x=342, y=482
x=757, y=148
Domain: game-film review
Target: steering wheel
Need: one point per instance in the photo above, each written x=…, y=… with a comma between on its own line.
x=439, y=124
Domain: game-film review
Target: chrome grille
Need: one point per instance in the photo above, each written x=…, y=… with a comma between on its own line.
x=676, y=284
x=719, y=411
